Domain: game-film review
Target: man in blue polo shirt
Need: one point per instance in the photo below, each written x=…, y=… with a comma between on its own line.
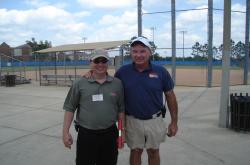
x=144, y=84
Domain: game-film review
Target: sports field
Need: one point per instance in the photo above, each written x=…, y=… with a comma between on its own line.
x=185, y=75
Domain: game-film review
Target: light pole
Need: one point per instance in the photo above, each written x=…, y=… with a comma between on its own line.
x=183, y=35
x=153, y=33
x=139, y=17
x=84, y=39
x=153, y=38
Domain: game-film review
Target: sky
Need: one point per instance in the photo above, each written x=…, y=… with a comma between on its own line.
x=70, y=21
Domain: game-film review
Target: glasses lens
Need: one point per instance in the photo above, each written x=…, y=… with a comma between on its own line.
x=100, y=60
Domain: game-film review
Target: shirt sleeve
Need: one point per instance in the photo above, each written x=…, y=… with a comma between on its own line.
x=117, y=74
x=72, y=99
x=168, y=83
x=121, y=106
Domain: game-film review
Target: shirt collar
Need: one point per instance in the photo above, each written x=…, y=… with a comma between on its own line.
x=108, y=79
x=149, y=68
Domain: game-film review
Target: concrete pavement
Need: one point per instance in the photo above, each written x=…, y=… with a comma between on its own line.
x=31, y=122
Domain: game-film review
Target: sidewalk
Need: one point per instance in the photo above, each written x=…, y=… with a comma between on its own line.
x=31, y=122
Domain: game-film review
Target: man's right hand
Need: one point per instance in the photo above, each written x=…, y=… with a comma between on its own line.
x=88, y=74
x=67, y=140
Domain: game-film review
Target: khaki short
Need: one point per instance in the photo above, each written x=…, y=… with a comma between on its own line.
x=145, y=133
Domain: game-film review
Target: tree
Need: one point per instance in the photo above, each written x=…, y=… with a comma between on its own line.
x=196, y=49
x=42, y=45
x=204, y=50
x=239, y=51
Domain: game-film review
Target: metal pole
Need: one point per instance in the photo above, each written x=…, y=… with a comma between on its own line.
x=183, y=35
x=0, y=70
x=210, y=43
x=224, y=96
x=139, y=13
x=84, y=39
x=122, y=54
x=75, y=63
x=39, y=63
x=247, y=46
x=173, y=40
x=36, y=66
x=55, y=67
x=153, y=38
x=64, y=63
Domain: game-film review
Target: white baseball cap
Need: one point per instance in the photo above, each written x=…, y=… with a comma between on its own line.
x=99, y=53
x=143, y=40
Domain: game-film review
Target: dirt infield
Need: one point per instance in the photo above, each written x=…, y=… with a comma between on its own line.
x=184, y=76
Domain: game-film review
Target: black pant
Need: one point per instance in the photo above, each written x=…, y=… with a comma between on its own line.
x=97, y=147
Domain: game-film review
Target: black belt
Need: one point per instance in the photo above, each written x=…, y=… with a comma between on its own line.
x=98, y=131
x=158, y=114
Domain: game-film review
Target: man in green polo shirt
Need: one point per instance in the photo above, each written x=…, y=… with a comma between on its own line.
x=99, y=103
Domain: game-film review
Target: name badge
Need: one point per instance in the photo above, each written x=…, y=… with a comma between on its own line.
x=153, y=75
x=98, y=97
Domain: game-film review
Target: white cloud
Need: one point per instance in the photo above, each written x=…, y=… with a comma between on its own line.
x=127, y=18
x=82, y=14
x=189, y=17
x=24, y=17
x=197, y=2
x=36, y=3
x=238, y=23
x=239, y=7
x=116, y=27
x=42, y=23
x=107, y=3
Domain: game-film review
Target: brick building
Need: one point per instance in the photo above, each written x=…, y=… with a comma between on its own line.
x=22, y=52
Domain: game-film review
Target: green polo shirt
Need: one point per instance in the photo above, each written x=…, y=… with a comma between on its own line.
x=97, y=104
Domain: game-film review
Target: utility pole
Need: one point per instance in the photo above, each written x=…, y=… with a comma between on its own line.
x=153, y=38
x=139, y=13
x=210, y=43
x=173, y=40
x=153, y=33
x=84, y=39
x=224, y=95
x=183, y=36
x=0, y=69
x=247, y=46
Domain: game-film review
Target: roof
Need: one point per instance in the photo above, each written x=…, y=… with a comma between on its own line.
x=84, y=46
x=4, y=45
x=23, y=46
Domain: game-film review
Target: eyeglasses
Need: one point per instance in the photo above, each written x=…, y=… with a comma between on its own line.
x=97, y=61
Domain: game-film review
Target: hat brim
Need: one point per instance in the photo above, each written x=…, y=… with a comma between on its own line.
x=141, y=40
x=97, y=56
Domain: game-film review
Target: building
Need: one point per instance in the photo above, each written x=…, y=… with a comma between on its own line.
x=22, y=52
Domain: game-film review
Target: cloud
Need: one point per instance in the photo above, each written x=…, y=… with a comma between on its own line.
x=44, y=23
x=36, y=3
x=107, y=3
x=238, y=23
x=127, y=18
x=188, y=17
x=239, y=7
x=112, y=27
x=197, y=2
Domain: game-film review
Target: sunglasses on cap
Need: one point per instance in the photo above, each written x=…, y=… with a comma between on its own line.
x=100, y=60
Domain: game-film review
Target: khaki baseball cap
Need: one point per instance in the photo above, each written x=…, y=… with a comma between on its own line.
x=99, y=53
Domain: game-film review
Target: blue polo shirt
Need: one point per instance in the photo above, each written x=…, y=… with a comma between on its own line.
x=143, y=90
